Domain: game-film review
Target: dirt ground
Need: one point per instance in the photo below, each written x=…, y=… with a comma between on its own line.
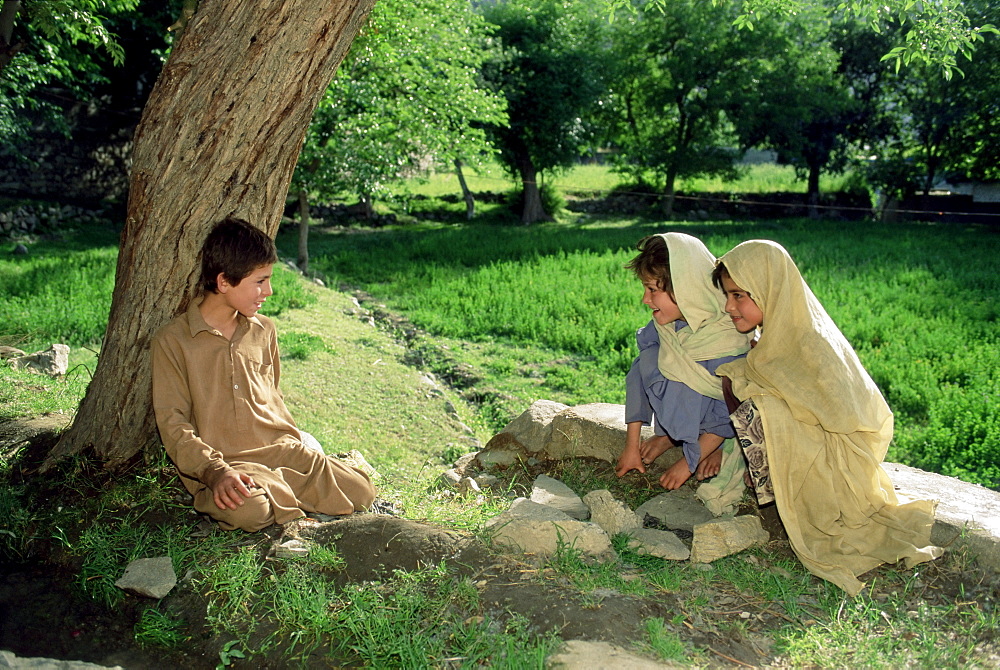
x=42, y=612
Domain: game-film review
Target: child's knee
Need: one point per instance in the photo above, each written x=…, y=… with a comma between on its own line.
x=254, y=514
x=356, y=486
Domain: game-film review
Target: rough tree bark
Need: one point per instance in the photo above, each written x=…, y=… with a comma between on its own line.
x=219, y=136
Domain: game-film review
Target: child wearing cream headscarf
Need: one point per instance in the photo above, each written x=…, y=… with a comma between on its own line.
x=814, y=425
x=672, y=382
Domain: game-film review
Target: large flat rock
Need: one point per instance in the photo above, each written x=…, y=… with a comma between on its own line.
x=967, y=514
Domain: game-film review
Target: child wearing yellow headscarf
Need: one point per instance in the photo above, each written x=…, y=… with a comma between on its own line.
x=672, y=384
x=814, y=425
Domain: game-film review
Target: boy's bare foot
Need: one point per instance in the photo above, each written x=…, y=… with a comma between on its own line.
x=676, y=475
x=709, y=466
x=654, y=447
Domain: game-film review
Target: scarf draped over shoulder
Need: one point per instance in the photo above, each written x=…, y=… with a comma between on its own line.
x=826, y=429
x=709, y=332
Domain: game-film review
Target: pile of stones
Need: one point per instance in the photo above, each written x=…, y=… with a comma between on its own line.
x=32, y=219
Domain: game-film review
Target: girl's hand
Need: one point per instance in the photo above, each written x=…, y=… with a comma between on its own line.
x=630, y=460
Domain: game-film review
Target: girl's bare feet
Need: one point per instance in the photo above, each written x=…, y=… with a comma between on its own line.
x=709, y=466
x=676, y=475
x=654, y=447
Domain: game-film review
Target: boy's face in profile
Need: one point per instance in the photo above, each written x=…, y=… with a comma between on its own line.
x=247, y=296
x=665, y=310
x=740, y=307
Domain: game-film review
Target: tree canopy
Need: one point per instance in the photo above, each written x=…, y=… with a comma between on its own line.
x=408, y=93
x=933, y=33
x=550, y=67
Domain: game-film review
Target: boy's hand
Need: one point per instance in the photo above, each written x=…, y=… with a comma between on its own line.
x=232, y=488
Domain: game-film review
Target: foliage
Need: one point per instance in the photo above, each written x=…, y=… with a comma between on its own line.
x=54, y=43
x=156, y=629
x=948, y=127
x=936, y=32
x=679, y=70
x=550, y=67
x=801, y=103
x=406, y=96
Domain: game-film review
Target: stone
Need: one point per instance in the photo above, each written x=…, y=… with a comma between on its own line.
x=149, y=577
x=530, y=430
x=612, y=515
x=10, y=352
x=292, y=549
x=54, y=361
x=966, y=515
x=450, y=478
x=539, y=530
x=594, y=655
x=548, y=491
x=355, y=459
x=468, y=485
x=20, y=250
x=723, y=537
x=487, y=481
x=464, y=461
x=9, y=659
x=500, y=452
x=660, y=543
x=677, y=510
x=596, y=430
x=311, y=442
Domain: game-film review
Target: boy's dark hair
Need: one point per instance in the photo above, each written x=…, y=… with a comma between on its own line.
x=653, y=262
x=718, y=273
x=235, y=248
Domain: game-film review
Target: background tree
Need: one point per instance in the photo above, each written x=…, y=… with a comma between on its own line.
x=48, y=47
x=681, y=69
x=219, y=136
x=550, y=68
x=407, y=97
x=800, y=103
x=932, y=33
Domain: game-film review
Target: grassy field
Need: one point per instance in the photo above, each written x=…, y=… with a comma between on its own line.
x=597, y=180
x=510, y=314
x=548, y=311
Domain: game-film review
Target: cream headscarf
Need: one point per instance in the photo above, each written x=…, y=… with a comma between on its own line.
x=826, y=429
x=709, y=332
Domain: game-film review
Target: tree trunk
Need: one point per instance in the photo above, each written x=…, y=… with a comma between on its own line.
x=8, y=48
x=303, y=260
x=669, y=193
x=220, y=135
x=812, y=191
x=470, y=202
x=532, y=209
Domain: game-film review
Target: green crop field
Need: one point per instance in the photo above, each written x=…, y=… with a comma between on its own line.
x=915, y=301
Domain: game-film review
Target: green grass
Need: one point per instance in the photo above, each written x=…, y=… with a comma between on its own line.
x=156, y=629
x=915, y=300
x=548, y=311
x=593, y=180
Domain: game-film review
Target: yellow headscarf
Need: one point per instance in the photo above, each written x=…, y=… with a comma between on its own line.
x=826, y=429
x=709, y=332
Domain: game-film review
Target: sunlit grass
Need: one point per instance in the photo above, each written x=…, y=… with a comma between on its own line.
x=595, y=180
x=914, y=300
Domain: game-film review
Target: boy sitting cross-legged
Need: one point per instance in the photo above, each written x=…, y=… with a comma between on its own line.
x=220, y=413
